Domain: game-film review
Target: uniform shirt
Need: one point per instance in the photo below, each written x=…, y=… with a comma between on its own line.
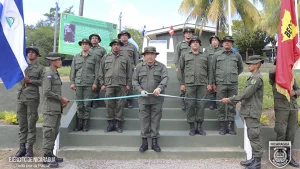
x=115, y=70
x=84, y=70
x=52, y=92
x=193, y=69
x=99, y=51
x=35, y=73
x=280, y=101
x=226, y=66
x=211, y=51
x=130, y=51
x=149, y=78
x=181, y=48
x=252, y=98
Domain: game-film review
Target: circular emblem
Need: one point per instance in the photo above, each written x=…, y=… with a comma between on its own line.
x=11, y=20
x=280, y=157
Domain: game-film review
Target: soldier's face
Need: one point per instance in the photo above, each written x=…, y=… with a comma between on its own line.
x=227, y=44
x=195, y=45
x=214, y=42
x=57, y=63
x=252, y=67
x=188, y=35
x=150, y=58
x=124, y=38
x=116, y=47
x=95, y=40
x=85, y=46
x=32, y=55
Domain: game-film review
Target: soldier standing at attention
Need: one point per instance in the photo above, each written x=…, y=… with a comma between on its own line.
x=181, y=48
x=213, y=48
x=226, y=66
x=83, y=77
x=130, y=51
x=28, y=102
x=251, y=109
x=115, y=80
x=99, y=52
x=286, y=114
x=54, y=103
x=193, y=78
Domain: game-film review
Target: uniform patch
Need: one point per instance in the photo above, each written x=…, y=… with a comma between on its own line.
x=253, y=81
x=49, y=77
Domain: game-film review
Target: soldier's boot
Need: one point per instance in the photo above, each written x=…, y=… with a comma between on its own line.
x=222, y=128
x=184, y=106
x=29, y=151
x=230, y=128
x=49, y=160
x=110, y=126
x=292, y=162
x=119, y=126
x=85, y=125
x=57, y=159
x=129, y=104
x=144, y=146
x=247, y=162
x=192, y=129
x=199, y=129
x=256, y=163
x=79, y=124
x=155, y=146
x=212, y=105
x=94, y=104
x=22, y=150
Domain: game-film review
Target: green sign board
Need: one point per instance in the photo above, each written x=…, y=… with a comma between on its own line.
x=74, y=28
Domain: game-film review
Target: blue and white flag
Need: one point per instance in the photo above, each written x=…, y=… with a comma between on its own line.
x=134, y=43
x=235, y=49
x=57, y=7
x=144, y=31
x=12, y=42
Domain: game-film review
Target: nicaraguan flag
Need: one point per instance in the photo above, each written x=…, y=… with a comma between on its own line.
x=144, y=31
x=57, y=7
x=12, y=42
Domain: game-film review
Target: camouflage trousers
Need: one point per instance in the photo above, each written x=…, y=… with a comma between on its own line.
x=50, y=131
x=254, y=135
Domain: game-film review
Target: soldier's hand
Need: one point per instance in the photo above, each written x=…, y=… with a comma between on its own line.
x=225, y=100
x=64, y=101
x=176, y=69
x=214, y=88
x=94, y=87
x=144, y=92
x=26, y=80
x=293, y=93
x=209, y=88
x=73, y=87
x=103, y=88
x=182, y=88
x=64, y=105
x=156, y=92
x=127, y=88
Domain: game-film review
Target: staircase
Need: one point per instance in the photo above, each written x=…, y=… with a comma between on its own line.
x=175, y=141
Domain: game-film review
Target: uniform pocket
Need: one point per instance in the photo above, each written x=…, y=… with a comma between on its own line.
x=233, y=76
x=123, y=65
x=157, y=76
x=142, y=76
x=189, y=78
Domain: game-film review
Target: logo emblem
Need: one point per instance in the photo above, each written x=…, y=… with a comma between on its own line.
x=279, y=153
x=12, y=20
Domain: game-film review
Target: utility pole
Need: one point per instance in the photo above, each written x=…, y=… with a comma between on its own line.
x=81, y=7
x=120, y=22
x=55, y=26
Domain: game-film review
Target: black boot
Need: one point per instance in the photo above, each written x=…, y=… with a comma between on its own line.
x=29, y=151
x=129, y=104
x=247, y=162
x=199, y=129
x=256, y=163
x=57, y=159
x=49, y=160
x=79, y=125
x=85, y=125
x=292, y=162
x=230, y=128
x=110, y=126
x=144, y=146
x=119, y=126
x=22, y=151
x=222, y=128
x=155, y=146
x=192, y=129
x=94, y=104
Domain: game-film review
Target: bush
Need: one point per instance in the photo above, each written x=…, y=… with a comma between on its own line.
x=264, y=120
x=11, y=117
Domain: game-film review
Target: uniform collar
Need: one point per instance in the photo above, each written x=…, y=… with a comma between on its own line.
x=54, y=70
x=87, y=55
x=95, y=46
x=195, y=54
x=145, y=64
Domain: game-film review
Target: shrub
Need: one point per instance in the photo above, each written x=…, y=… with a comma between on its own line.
x=264, y=120
x=11, y=117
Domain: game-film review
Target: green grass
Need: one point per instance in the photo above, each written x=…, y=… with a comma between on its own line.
x=64, y=71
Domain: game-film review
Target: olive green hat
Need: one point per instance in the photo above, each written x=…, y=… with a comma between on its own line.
x=124, y=32
x=35, y=49
x=116, y=41
x=194, y=38
x=85, y=40
x=150, y=49
x=53, y=56
x=228, y=38
x=188, y=30
x=213, y=36
x=254, y=59
x=94, y=34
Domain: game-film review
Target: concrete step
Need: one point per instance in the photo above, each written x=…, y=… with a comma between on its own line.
x=165, y=124
x=132, y=153
x=131, y=138
x=167, y=113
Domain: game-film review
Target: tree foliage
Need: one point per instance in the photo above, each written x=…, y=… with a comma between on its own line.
x=136, y=35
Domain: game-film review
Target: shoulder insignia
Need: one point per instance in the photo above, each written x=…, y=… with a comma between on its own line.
x=49, y=77
x=253, y=81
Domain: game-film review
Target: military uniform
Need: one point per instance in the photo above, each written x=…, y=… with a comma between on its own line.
x=115, y=73
x=84, y=72
x=193, y=74
x=226, y=66
x=149, y=78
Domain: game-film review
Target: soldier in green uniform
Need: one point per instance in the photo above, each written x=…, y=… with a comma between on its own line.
x=28, y=102
x=251, y=109
x=115, y=80
x=54, y=103
x=150, y=76
x=213, y=48
x=181, y=48
x=130, y=51
x=99, y=51
x=83, y=77
x=193, y=78
x=226, y=66
x=286, y=114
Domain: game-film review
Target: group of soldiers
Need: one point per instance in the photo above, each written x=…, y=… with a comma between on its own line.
x=210, y=74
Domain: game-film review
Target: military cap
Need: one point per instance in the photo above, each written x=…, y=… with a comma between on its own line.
x=228, y=38
x=187, y=30
x=116, y=41
x=149, y=49
x=85, y=40
x=98, y=36
x=124, y=32
x=53, y=56
x=254, y=59
x=213, y=36
x=36, y=50
x=194, y=38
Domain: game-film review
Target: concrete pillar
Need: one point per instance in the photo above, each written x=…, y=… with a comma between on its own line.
x=171, y=46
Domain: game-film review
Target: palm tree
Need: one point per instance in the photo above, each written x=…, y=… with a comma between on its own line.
x=203, y=11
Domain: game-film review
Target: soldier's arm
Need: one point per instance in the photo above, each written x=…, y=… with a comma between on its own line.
x=39, y=82
x=135, y=56
x=212, y=73
x=180, y=73
x=208, y=68
x=129, y=73
x=72, y=72
x=177, y=55
x=101, y=71
x=135, y=80
x=240, y=64
x=164, y=78
x=47, y=88
x=97, y=66
x=272, y=77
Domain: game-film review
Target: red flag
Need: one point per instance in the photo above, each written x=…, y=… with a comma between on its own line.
x=288, y=52
x=171, y=31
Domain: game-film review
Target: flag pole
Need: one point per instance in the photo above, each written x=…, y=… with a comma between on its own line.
x=229, y=17
x=55, y=26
